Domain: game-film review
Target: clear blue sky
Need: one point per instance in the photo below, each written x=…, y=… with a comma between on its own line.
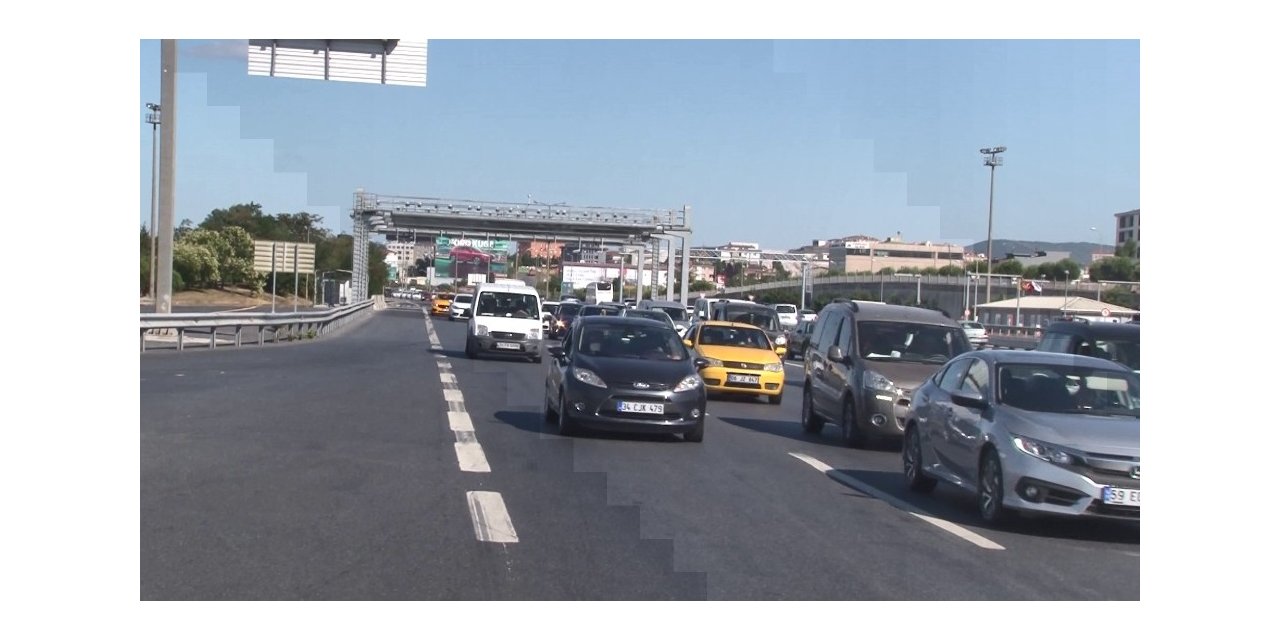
x=776, y=142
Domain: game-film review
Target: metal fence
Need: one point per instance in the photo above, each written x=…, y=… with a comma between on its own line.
x=281, y=326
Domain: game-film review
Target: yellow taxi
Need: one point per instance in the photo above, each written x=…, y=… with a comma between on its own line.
x=440, y=304
x=741, y=359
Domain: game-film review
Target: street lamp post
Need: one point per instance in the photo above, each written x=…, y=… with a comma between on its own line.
x=153, y=118
x=992, y=160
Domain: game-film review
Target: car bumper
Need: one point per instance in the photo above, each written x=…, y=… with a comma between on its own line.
x=521, y=347
x=597, y=408
x=1063, y=491
x=884, y=413
x=716, y=379
x=457, y=314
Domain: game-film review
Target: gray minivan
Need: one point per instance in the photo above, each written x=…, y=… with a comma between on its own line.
x=865, y=359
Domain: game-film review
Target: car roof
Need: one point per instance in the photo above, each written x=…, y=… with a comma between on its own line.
x=1022, y=356
x=1095, y=329
x=653, y=304
x=722, y=323
x=593, y=320
x=901, y=313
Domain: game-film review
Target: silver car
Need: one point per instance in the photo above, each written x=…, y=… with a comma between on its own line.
x=1029, y=431
x=976, y=333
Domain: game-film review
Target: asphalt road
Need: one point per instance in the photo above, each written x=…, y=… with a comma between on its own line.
x=334, y=470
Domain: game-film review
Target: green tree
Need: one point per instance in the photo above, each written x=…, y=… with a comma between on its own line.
x=1116, y=269
x=951, y=270
x=887, y=271
x=196, y=263
x=1122, y=296
x=1007, y=267
x=1128, y=250
x=702, y=285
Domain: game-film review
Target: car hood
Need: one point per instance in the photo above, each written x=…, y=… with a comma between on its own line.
x=738, y=354
x=906, y=375
x=1111, y=435
x=624, y=371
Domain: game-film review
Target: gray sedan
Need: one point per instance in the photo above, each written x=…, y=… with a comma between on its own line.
x=1029, y=431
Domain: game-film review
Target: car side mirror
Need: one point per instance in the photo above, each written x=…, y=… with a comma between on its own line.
x=836, y=354
x=556, y=352
x=973, y=401
x=701, y=363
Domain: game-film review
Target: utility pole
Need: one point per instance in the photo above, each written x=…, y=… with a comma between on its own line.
x=153, y=119
x=168, y=177
x=992, y=160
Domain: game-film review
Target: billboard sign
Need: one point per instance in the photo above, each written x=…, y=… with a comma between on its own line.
x=460, y=257
x=285, y=254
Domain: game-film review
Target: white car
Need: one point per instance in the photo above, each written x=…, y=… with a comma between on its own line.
x=788, y=316
x=808, y=315
x=975, y=332
x=460, y=305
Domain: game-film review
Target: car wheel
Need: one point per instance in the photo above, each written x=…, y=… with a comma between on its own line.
x=991, y=489
x=853, y=434
x=565, y=424
x=810, y=421
x=696, y=434
x=471, y=348
x=912, y=462
x=775, y=399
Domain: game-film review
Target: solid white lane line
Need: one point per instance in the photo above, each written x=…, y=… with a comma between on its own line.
x=470, y=454
x=460, y=421
x=854, y=483
x=452, y=395
x=489, y=517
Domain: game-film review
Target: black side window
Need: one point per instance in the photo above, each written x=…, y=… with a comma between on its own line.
x=844, y=335
x=954, y=374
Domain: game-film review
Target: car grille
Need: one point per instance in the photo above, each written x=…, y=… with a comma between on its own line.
x=506, y=335
x=751, y=366
x=1109, y=470
x=630, y=386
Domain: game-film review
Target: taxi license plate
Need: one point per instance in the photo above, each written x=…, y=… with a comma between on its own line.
x=1127, y=497
x=639, y=407
x=509, y=345
x=734, y=377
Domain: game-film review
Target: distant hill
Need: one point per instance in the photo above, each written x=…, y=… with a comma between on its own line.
x=1081, y=252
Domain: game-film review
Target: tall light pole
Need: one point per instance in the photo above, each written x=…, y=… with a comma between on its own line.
x=153, y=118
x=992, y=160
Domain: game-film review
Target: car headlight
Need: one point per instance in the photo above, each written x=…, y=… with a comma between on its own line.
x=775, y=367
x=559, y=323
x=713, y=362
x=1043, y=451
x=873, y=380
x=535, y=333
x=589, y=377
x=482, y=330
x=781, y=341
x=688, y=384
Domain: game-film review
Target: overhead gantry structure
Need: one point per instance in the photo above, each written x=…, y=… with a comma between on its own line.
x=627, y=229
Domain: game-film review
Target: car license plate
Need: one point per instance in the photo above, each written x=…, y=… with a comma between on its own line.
x=639, y=407
x=509, y=345
x=1127, y=497
x=734, y=377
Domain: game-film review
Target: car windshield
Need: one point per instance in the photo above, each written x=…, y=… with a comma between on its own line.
x=549, y=307
x=734, y=337
x=444, y=296
x=507, y=304
x=636, y=341
x=971, y=325
x=462, y=297
x=1069, y=388
x=909, y=341
x=676, y=313
x=785, y=308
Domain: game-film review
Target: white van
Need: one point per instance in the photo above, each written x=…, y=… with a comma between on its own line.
x=506, y=318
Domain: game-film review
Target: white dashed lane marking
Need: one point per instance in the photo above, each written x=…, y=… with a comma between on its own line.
x=489, y=517
x=489, y=514
x=853, y=483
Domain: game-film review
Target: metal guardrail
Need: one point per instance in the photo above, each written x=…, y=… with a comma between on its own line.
x=290, y=325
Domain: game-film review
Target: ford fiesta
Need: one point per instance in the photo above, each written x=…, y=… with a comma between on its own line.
x=625, y=374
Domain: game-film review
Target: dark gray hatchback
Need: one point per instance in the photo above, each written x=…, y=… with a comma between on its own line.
x=625, y=374
x=864, y=360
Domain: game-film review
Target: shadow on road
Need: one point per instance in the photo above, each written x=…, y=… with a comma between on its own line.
x=533, y=422
x=790, y=428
